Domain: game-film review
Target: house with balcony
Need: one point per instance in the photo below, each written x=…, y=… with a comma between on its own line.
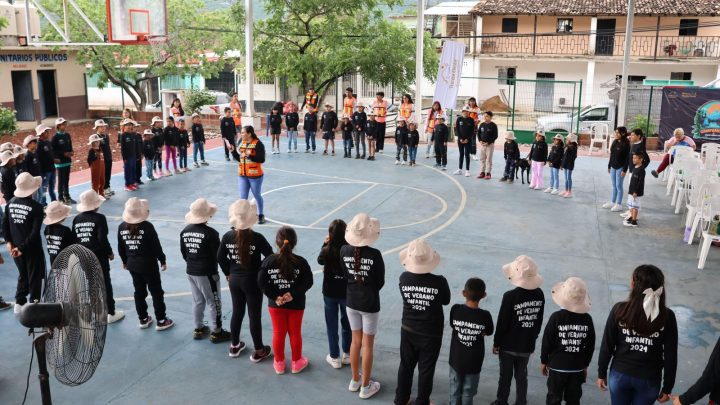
x=573, y=40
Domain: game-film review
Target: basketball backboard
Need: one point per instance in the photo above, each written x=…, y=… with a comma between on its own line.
x=136, y=22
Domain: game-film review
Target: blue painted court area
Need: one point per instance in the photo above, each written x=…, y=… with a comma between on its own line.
x=475, y=225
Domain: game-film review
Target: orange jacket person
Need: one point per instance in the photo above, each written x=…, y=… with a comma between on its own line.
x=236, y=111
x=250, y=153
x=311, y=100
x=380, y=106
x=406, y=107
x=349, y=102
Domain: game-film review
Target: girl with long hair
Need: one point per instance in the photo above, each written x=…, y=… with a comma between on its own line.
x=406, y=107
x=250, y=154
x=435, y=110
x=176, y=109
x=617, y=167
x=641, y=339
x=285, y=277
x=240, y=255
x=334, y=294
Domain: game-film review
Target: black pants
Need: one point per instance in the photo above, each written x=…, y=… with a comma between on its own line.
x=509, y=365
x=138, y=169
x=108, y=172
x=564, y=386
x=441, y=155
x=473, y=144
x=401, y=149
x=232, y=142
x=380, y=138
x=421, y=351
x=464, y=149
x=63, y=185
x=245, y=292
x=109, y=300
x=148, y=279
x=157, y=160
x=31, y=272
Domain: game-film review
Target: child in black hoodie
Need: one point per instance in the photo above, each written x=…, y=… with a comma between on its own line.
x=158, y=142
x=511, y=153
x=310, y=124
x=372, y=131
x=568, y=343
x=57, y=235
x=171, y=137
x=440, y=138
x=413, y=141
x=401, y=141
x=568, y=164
x=359, y=120
x=518, y=326
x=636, y=190
x=347, y=134
x=198, y=138
x=328, y=123
x=554, y=160
x=538, y=156
x=228, y=131
x=148, y=152
x=275, y=124
x=708, y=383
x=183, y=144
x=292, y=120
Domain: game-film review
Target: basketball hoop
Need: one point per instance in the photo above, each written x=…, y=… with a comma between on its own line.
x=157, y=45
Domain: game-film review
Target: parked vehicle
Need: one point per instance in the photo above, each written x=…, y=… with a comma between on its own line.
x=588, y=116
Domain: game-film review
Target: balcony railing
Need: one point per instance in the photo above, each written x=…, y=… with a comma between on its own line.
x=660, y=47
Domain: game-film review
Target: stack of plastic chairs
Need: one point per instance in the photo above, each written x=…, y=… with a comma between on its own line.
x=673, y=152
x=705, y=186
x=681, y=152
x=599, y=135
x=711, y=210
x=685, y=169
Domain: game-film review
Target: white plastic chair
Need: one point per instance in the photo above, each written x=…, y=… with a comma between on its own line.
x=673, y=152
x=681, y=154
x=709, y=148
x=701, y=196
x=687, y=169
x=710, y=210
x=599, y=134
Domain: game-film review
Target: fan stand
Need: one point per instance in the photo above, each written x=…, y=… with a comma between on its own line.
x=43, y=374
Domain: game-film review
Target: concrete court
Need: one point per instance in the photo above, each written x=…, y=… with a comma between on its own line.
x=476, y=226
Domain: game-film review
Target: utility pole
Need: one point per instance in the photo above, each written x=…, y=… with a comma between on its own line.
x=249, y=76
x=419, y=74
x=622, y=102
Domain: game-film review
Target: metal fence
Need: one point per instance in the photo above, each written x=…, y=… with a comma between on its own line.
x=642, y=109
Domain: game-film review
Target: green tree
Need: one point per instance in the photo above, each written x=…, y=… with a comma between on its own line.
x=315, y=42
x=133, y=67
x=3, y=22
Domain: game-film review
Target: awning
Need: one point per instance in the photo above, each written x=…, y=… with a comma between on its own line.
x=452, y=8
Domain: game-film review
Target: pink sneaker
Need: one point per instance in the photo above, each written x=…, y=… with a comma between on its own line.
x=568, y=195
x=279, y=367
x=300, y=365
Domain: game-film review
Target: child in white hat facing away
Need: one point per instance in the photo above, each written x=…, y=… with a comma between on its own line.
x=538, y=157
x=568, y=163
x=511, y=153
x=518, y=326
x=568, y=343
x=365, y=273
x=199, y=244
x=554, y=160
x=31, y=163
x=63, y=151
x=7, y=174
x=47, y=165
x=57, y=235
x=424, y=294
x=140, y=251
x=470, y=324
x=21, y=227
x=241, y=253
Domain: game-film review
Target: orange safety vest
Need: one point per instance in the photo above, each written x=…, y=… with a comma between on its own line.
x=248, y=168
x=311, y=102
x=474, y=113
x=236, y=112
x=406, y=110
x=349, y=105
x=431, y=120
x=380, y=110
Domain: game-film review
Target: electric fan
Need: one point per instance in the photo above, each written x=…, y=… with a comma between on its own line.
x=73, y=318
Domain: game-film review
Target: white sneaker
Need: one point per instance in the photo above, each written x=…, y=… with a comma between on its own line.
x=608, y=205
x=467, y=173
x=346, y=359
x=531, y=186
x=554, y=191
x=370, y=390
x=17, y=308
x=458, y=171
x=547, y=190
x=354, y=385
x=474, y=157
x=114, y=318
x=625, y=214
x=335, y=363
x=616, y=208
x=397, y=162
x=538, y=188
x=403, y=163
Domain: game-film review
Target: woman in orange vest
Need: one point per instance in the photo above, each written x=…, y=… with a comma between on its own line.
x=406, y=107
x=380, y=106
x=349, y=102
x=236, y=111
x=474, y=114
x=435, y=110
x=250, y=153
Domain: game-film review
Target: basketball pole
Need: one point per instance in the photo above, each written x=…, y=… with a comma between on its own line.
x=419, y=74
x=249, y=78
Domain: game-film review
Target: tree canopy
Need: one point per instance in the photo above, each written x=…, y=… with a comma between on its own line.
x=315, y=42
x=132, y=67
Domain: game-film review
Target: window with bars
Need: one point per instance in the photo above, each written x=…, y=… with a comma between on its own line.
x=564, y=25
x=680, y=75
x=689, y=27
x=506, y=75
x=510, y=25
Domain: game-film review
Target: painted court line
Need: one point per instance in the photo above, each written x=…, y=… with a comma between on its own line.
x=343, y=205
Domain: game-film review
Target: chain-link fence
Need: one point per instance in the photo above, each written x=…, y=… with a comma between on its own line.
x=642, y=109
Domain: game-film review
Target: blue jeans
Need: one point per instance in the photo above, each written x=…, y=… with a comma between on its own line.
x=627, y=390
x=554, y=178
x=463, y=388
x=412, y=150
x=129, y=167
x=182, y=154
x=292, y=139
x=198, y=147
x=255, y=184
x=310, y=137
x=347, y=146
x=48, y=186
x=617, y=180
x=149, y=163
x=568, y=179
x=332, y=306
x=509, y=172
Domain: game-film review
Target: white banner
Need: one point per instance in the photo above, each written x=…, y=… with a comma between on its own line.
x=449, y=73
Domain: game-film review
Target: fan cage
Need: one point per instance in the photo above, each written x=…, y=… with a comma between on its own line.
x=76, y=280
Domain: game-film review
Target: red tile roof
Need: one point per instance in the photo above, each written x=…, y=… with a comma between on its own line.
x=597, y=7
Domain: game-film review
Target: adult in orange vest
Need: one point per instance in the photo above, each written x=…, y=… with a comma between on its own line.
x=250, y=154
x=380, y=106
x=406, y=107
x=349, y=102
x=236, y=109
x=311, y=100
x=475, y=115
x=435, y=110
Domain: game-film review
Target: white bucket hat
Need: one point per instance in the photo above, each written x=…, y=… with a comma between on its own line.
x=127, y=121
x=100, y=123
x=155, y=119
x=60, y=120
x=440, y=117
x=572, y=295
x=19, y=150
x=148, y=132
x=510, y=135
x=56, y=212
x=137, y=210
x=5, y=157
x=90, y=200
x=360, y=104
x=94, y=138
x=523, y=273
x=571, y=138
x=26, y=184
x=242, y=214
x=558, y=136
x=419, y=257
x=201, y=210
x=362, y=230
x=7, y=146
x=29, y=139
x=40, y=129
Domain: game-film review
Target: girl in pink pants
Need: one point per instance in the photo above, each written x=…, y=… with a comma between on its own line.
x=538, y=157
x=171, y=138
